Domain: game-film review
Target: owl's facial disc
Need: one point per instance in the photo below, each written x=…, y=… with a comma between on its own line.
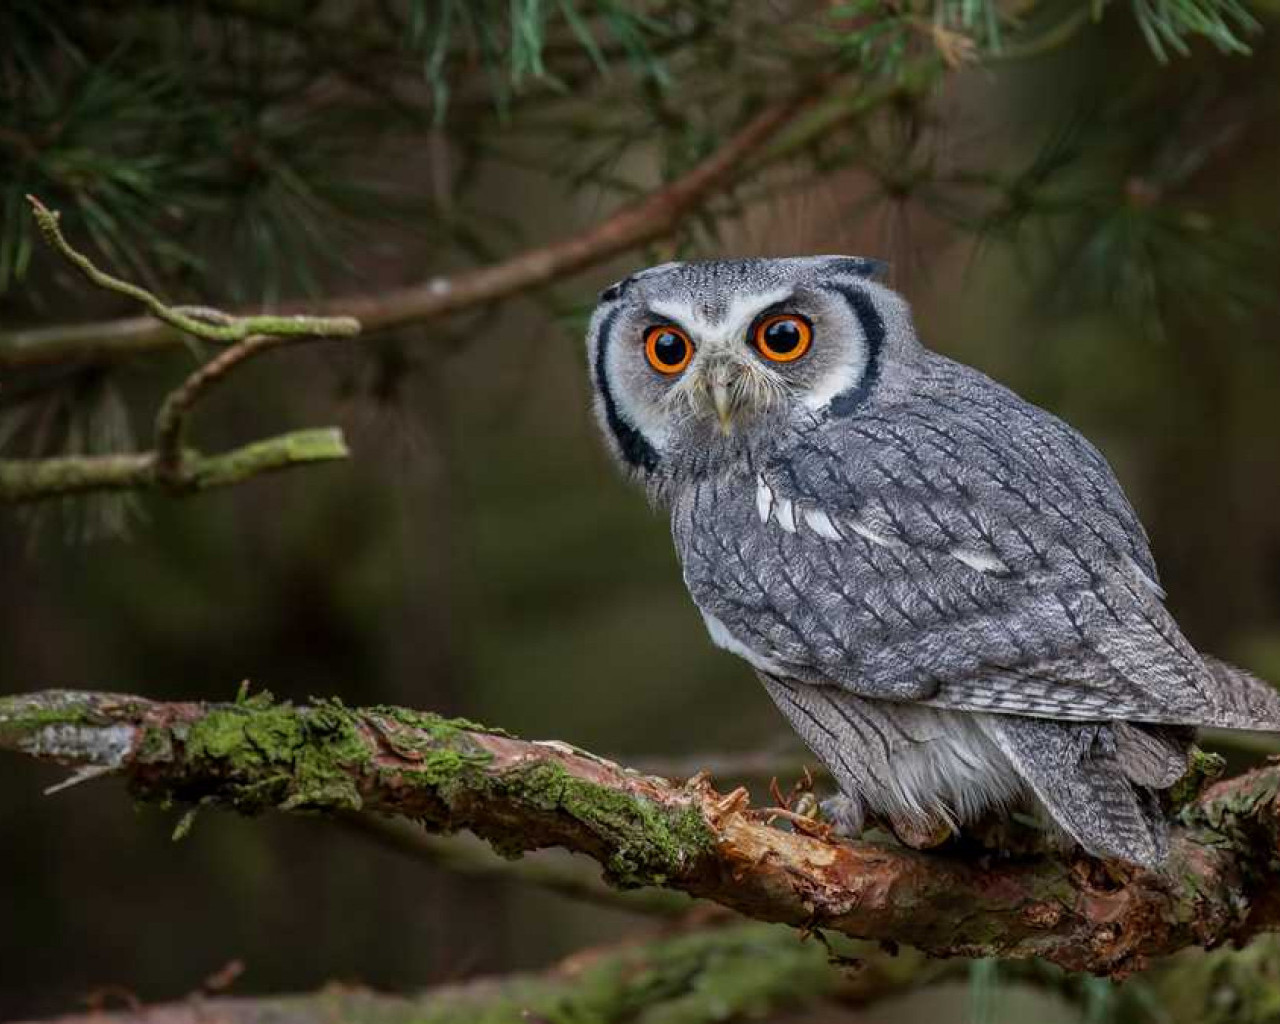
x=701, y=362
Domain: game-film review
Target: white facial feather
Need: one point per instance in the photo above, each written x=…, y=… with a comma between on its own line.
x=731, y=329
x=841, y=377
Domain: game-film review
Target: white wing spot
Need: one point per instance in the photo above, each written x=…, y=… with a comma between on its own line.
x=982, y=561
x=821, y=524
x=787, y=515
x=764, y=498
x=1147, y=581
x=871, y=535
x=722, y=638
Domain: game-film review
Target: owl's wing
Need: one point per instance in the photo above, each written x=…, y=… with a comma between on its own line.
x=953, y=545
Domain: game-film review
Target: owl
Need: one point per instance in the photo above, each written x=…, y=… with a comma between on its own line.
x=942, y=586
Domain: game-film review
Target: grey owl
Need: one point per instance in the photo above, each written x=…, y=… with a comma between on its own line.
x=942, y=586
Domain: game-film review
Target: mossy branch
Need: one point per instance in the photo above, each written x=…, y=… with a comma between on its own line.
x=172, y=466
x=28, y=480
x=209, y=325
x=257, y=755
x=741, y=971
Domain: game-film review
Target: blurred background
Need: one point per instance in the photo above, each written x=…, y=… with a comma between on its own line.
x=1078, y=198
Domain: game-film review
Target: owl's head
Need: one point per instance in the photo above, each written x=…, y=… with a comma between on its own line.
x=697, y=363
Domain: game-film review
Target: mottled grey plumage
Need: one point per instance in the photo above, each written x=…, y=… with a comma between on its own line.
x=942, y=586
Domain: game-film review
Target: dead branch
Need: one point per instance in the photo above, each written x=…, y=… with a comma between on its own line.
x=257, y=755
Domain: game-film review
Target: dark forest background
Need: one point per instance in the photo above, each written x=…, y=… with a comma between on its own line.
x=1078, y=199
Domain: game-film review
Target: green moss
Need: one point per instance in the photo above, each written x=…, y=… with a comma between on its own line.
x=265, y=754
x=440, y=729
x=1203, y=769
x=258, y=754
x=650, y=843
x=1235, y=814
x=155, y=746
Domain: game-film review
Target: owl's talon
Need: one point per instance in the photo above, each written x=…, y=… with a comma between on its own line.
x=806, y=805
x=920, y=834
x=805, y=825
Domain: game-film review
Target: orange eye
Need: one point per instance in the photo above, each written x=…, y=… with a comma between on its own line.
x=667, y=348
x=783, y=337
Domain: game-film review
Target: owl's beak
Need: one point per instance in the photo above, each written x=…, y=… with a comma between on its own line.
x=723, y=402
x=720, y=379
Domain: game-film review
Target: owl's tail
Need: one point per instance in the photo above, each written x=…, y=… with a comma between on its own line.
x=1077, y=773
x=1241, y=699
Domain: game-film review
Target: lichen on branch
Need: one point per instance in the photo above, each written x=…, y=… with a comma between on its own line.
x=256, y=755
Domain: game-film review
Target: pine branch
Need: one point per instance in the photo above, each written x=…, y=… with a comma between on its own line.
x=256, y=755
x=654, y=217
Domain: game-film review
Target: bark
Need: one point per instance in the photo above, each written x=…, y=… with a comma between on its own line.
x=256, y=755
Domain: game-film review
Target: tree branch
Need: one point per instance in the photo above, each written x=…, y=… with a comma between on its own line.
x=570, y=877
x=257, y=755
x=171, y=465
x=729, y=973
x=652, y=218
x=210, y=325
x=28, y=480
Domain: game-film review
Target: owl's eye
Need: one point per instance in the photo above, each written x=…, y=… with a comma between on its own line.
x=667, y=348
x=783, y=337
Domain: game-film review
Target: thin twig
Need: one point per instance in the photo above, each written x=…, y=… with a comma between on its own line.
x=172, y=465
x=171, y=420
x=235, y=328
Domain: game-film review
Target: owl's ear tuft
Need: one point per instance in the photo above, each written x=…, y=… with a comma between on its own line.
x=615, y=290
x=859, y=266
x=619, y=288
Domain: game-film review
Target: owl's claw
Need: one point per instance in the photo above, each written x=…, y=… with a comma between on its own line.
x=801, y=823
x=920, y=834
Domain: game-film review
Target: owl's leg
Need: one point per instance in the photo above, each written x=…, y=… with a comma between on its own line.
x=856, y=740
x=835, y=743
x=847, y=814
